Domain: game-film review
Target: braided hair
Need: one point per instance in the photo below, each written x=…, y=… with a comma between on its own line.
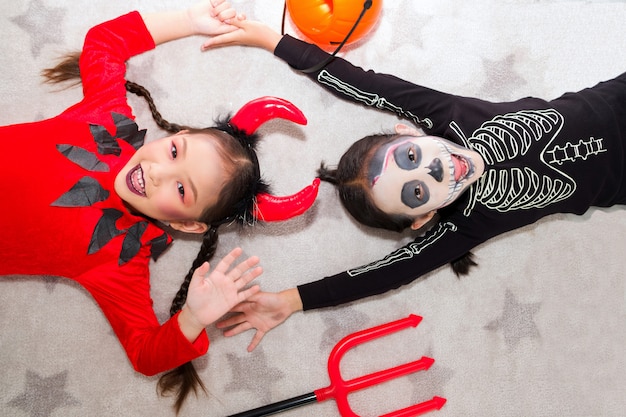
x=235, y=203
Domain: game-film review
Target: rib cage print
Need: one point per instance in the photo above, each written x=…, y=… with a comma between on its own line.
x=506, y=137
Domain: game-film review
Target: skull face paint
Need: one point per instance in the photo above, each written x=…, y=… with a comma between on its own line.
x=414, y=175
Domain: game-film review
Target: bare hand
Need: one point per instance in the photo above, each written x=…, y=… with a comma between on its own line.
x=213, y=295
x=247, y=33
x=262, y=311
x=209, y=17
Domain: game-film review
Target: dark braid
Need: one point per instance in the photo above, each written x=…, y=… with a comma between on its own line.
x=160, y=121
x=185, y=379
x=207, y=250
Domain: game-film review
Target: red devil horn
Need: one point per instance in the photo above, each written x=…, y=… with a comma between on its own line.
x=271, y=208
x=256, y=112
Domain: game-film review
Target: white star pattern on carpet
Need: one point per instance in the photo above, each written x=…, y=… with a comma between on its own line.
x=516, y=321
x=43, y=395
x=42, y=24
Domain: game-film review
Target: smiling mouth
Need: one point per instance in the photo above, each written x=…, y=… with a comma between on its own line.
x=135, y=181
x=462, y=167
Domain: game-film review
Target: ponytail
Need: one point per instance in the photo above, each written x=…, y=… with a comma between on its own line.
x=185, y=379
x=66, y=70
x=328, y=175
x=462, y=265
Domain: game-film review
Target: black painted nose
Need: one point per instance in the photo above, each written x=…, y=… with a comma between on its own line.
x=436, y=169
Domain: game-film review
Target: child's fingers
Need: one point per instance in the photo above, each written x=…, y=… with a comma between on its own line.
x=241, y=268
x=226, y=14
x=201, y=271
x=228, y=260
x=232, y=321
x=224, y=28
x=219, y=3
x=245, y=326
x=248, y=292
x=239, y=20
x=256, y=339
x=245, y=279
x=220, y=40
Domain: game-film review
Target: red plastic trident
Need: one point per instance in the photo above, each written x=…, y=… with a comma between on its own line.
x=339, y=388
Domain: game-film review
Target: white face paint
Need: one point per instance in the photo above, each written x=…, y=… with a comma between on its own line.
x=414, y=175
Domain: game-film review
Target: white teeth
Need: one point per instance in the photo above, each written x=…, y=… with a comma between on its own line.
x=136, y=181
x=453, y=186
x=140, y=180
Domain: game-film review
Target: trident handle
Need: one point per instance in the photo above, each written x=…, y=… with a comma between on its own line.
x=280, y=406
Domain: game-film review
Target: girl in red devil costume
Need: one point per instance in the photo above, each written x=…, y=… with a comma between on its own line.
x=86, y=203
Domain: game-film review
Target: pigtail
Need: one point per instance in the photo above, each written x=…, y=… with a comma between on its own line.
x=462, y=265
x=185, y=379
x=328, y=175
x=67, y=69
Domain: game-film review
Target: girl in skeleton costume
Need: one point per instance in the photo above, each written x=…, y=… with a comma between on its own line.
x=94, y=221
x=484, y=168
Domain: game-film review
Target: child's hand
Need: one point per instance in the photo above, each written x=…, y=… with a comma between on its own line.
x=246, y=32
x=213, y=295
x=262, y=311
x=209, y=16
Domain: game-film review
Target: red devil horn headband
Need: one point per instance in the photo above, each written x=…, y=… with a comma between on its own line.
x=248, y=119
x=256, y=112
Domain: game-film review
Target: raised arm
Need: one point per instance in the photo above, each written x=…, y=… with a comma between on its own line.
x=427, y=108
x=109, y=45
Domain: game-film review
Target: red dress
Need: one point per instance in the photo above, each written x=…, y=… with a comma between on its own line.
x=61, y=215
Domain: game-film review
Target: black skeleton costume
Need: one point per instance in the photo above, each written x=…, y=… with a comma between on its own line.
x=542, y=157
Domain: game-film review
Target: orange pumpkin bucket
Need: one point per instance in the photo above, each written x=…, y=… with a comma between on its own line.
x=328, y=22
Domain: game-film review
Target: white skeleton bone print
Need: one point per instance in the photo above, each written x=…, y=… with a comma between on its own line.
x=369, y=99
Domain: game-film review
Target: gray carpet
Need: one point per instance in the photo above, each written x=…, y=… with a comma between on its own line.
x=538, y=330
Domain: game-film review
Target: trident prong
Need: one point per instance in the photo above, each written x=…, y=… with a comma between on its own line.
x=339, y=388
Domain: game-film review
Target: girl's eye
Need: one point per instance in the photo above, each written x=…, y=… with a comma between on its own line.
x=181, y=189
x=173, y=151
x=411, y=154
